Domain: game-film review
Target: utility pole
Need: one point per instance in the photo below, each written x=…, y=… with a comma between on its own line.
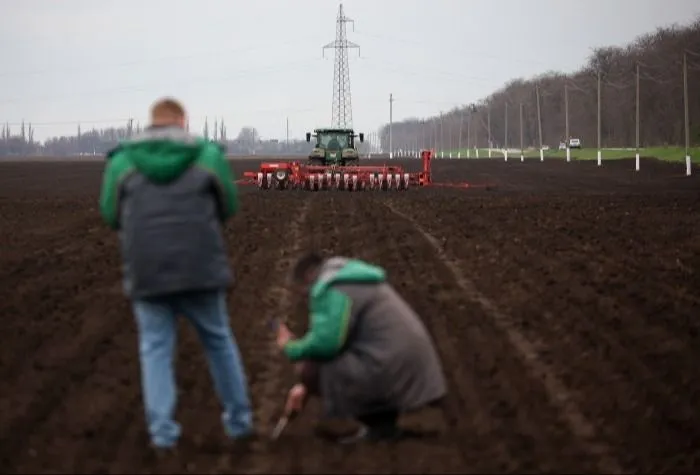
x=450, y=138
x=600, y=119
x=636, y=155
x=435, y=134
x=488, y=125
x=391, y=125
x=469, y=135
x=427, y=135
x=505, y=140
x=687, y=114
x=522, y=145
x=566, y=113
x=287, y=134
x=459, y=139
x=539, y=121
x=420, y=138
x=442, y=137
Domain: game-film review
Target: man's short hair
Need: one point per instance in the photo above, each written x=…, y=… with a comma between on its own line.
x=305, y=264
x=167, y=108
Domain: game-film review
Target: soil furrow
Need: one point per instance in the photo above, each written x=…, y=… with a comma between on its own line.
x=595, y=268
x=595, y=329
x=275, y=374
x=556, y=392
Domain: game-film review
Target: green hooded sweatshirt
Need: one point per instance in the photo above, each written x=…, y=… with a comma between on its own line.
x=331, y=310
x=162, y=155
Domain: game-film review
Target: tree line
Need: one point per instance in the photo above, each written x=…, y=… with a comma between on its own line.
x=647, y=74
x=20, y=142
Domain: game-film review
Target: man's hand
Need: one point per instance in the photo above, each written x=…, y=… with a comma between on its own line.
x=284, y=335
x=295, y=399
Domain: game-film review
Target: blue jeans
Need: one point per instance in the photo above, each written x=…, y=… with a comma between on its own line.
x=157, y=323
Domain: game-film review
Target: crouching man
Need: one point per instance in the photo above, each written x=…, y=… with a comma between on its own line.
x=366, y=354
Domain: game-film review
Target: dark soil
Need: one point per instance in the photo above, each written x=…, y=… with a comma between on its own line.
x=564, y=304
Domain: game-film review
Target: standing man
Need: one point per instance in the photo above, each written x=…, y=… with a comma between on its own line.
x=168, y=194
x=366, y=354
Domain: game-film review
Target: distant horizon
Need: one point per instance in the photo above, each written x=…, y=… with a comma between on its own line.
x=292, y=81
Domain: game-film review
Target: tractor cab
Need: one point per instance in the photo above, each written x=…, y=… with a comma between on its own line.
x=334, y=147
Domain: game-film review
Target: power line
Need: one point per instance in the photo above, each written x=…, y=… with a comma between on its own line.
x=201, y=118
x=573, y=85
x=206, y=80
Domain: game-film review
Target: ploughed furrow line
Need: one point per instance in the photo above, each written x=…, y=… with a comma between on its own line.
x=273, y=300
x=630, y=374
x=567, y=437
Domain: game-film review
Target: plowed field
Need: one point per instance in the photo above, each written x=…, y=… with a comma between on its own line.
x=565, y=305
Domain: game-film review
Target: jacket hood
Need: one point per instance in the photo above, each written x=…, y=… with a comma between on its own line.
x=162, y=154
x=340, y=269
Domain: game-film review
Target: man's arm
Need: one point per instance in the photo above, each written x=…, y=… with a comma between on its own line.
x=117, y=168
x=328, y=329
x=213, y=160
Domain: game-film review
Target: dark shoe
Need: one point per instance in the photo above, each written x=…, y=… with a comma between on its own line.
x=243, y=443
x=360, y=436
x=372, y=435
x=246, y=440
x=250, y=435
x=163, y=452
x=384, y=434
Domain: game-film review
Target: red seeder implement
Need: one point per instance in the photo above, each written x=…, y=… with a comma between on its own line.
x=295, y=175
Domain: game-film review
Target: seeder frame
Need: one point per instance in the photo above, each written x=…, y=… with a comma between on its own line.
x=297, y=176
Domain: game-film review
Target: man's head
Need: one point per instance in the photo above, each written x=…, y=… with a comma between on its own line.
x=168, y=112
x=306, y=270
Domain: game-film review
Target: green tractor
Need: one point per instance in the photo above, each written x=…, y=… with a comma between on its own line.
x=334, y=147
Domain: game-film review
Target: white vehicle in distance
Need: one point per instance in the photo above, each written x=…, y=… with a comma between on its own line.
x=574, y=143
x=562, y=145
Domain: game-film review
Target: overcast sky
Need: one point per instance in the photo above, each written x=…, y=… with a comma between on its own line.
x=257, y=62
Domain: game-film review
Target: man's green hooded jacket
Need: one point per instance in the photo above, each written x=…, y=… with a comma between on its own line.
x=168, y=193
x=331, y=310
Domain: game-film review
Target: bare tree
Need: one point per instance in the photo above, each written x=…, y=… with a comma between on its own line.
x=660, y=59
